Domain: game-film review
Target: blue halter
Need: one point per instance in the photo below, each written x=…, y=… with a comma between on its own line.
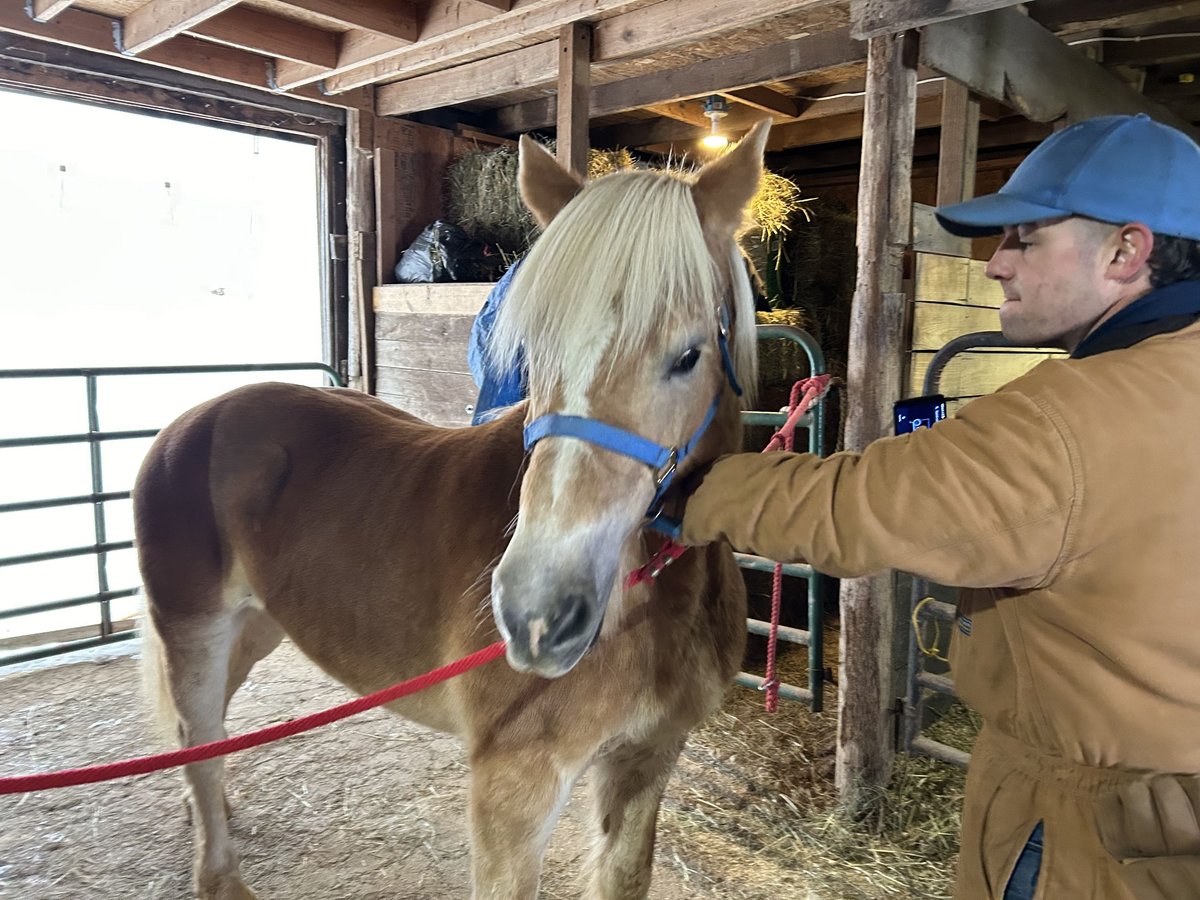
x=663, y=460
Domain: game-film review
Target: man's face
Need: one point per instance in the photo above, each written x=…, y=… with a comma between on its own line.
x=1052, y=273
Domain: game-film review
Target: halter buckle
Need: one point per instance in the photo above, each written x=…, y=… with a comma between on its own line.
x=668, y=469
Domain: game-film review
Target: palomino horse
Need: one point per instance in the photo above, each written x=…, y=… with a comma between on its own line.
x=367, y=536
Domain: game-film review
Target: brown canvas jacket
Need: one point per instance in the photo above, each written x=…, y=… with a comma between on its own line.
x=1068, y=503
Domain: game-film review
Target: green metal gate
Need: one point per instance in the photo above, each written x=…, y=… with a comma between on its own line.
x=101, y=548
x=812, y=638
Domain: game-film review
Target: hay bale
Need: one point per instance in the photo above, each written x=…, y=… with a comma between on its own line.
x=483, y=196
x=781, y=362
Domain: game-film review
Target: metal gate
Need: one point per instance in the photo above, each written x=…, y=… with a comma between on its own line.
x=102, y=547
x=923, y=609
x=813, y=638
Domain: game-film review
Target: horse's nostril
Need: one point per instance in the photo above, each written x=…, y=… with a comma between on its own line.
x=569, y=622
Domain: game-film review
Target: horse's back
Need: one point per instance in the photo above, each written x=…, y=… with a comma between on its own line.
x=270, y=470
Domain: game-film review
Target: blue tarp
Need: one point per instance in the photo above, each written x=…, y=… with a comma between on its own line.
x=497, y=390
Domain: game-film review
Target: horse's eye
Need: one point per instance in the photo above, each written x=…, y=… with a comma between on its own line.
x=687, y=362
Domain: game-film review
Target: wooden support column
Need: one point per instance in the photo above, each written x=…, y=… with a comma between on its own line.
x=874, y=366
x=360, y=222
x=959, y=148
x=574, y=85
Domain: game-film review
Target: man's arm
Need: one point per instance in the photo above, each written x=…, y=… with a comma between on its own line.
x=980, y=500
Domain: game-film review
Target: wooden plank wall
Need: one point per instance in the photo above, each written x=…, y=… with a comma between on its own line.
x=421, y=336
x=952, y=297
x=410, y=174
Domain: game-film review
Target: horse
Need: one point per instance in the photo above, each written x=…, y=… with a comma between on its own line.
x=379, y=543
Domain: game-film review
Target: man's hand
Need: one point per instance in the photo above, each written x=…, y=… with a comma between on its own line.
x=1152, y=828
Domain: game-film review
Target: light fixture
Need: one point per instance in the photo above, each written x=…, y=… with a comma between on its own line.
x=715, y=108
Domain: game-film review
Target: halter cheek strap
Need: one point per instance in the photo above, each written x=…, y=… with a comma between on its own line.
x=664, y=460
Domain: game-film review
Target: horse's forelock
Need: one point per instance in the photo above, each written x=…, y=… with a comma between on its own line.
x=624, y=256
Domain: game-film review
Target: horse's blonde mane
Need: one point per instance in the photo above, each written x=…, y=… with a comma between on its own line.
x=615, y=264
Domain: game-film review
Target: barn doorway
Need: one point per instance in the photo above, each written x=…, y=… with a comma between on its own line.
x=133, y=238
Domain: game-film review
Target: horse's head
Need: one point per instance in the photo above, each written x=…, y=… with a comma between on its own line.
x=636, y=317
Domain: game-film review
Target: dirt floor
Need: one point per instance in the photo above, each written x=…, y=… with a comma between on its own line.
x=373, y=807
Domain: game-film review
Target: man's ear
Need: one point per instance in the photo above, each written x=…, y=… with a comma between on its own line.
x=724, y=188
x=546, y=187
x=1134, y=242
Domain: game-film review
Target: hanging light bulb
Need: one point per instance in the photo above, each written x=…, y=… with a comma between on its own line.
x=715, y=108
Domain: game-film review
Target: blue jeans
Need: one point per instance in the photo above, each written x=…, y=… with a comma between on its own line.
x=1023, y=883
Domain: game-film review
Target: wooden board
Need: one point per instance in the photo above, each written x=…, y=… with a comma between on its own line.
x=452, y=299
x=936, y=324
x=421, y=336
x=975, y=373
x=953, y=279
x=436, y=343
x=443, y=398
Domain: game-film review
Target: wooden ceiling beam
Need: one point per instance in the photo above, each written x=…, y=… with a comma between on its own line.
x=776, y=62
x=528, y=67
x=872, y=18
x=45, y=10
x=1084, y=15
x=1009, y=57
x=449, y=27
x=396, y=20
x=681, y=111
x=643, y=30
x=92, y=31
x=1150, y=51
x=160, y=20
x=765, y=99
x=249, y=29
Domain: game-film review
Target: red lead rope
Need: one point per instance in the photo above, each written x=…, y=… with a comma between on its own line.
x=143, y=764
x=813, y=388
x=804, y=394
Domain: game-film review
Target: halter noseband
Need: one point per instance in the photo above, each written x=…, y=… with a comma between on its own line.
x=663, y=460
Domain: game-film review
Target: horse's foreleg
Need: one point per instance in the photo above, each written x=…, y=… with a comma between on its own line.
x=198, y=655
x=515, y=802
x=627, y=787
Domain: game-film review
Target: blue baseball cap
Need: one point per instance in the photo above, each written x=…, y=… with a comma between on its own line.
x=1112, y=168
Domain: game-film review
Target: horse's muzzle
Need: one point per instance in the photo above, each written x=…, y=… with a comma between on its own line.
x=548, y=640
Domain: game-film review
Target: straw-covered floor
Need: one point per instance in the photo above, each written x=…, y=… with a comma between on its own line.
x=373, y=807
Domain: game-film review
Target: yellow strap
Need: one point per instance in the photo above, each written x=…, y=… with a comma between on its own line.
x=927, y=649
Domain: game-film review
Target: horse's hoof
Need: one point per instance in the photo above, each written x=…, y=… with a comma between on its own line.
x=225, y=887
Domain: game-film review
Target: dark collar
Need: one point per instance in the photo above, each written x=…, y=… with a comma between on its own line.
x=1161, y=311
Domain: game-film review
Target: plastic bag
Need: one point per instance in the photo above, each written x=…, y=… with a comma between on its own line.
x=444, y=252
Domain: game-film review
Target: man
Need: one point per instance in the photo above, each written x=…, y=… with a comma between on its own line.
x=1067, y=505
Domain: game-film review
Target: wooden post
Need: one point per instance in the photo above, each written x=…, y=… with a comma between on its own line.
x=574, y=84
x=360, y=222
x=959, y=144
x=865, y=726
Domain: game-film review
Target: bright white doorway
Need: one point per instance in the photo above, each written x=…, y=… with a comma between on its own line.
x=129, y=239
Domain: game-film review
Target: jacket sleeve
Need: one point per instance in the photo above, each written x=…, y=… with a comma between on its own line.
x=983, y=499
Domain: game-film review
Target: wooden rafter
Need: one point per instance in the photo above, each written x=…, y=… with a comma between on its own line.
x=1086, y=15
x=1011, y=58
x=871, y=18
x=357, y=43
x=91, y=31
x=635, y=33
x=45, y=10
x=270, y=35
x=396, y=19
x=160, y=20
x=765, y=99
x=776, y=62
x=681, y=111
x=445, y=24
x=1151, y=51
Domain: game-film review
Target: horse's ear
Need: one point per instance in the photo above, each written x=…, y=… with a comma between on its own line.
x=725, y=186
x=546, y=187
